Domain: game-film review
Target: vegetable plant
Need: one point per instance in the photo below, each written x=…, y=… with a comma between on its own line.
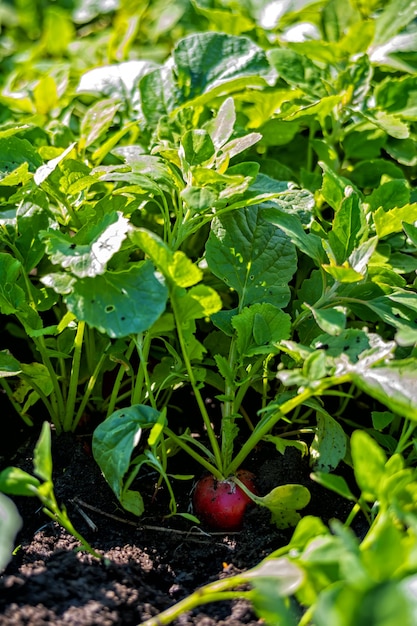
x=239, y=225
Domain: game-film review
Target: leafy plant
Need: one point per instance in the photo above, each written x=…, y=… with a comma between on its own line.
x=17, y=482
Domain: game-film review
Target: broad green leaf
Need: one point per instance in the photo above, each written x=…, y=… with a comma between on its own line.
x=97, y=120
x=45, y=95
x=197, y=146
x=343, y=273
x=17, y=482
x=389, y=123
x=329, y=445
x=87, y=260
x=42, y=459
x=389, y=195
x=114, y=442
x=251, y=256
x=385, y=549
x=309, y=243
x=9, y=366
x=298, y=70
x=175, y=266
x=351, y=342
x=388, y=222
x=368, y=464
x=32, y=374
x=393, y=385
x=205, y=61
x=396, y=15
x=44, y=171
x=335, y=188
x=382, y=419
x=119, y=303
x=349, y=227
x=159, y=94
x=335, y=483
x=199, y=199
x=284, y=503
x=258, y=327
x=332, y=320
x=15, y=152
x=117, y=81
x=10, y=524
x=272, y=580
x=198, y=302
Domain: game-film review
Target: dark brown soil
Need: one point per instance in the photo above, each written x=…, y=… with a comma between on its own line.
x=152, y=562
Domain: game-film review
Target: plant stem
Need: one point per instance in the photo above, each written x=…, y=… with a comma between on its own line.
x=213, y=592
x=203, y=410
x=88, y=390
x=68, y=423
x=143, y=346
x=117, y=382
x=194, y=454
x=265, y=427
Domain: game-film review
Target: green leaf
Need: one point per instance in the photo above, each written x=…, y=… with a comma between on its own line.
x=221, y=127
x=175, y=266
x=368, y=464
x=42, y=459
x=395, y=16
x=206, y=61
x=88, y=260
x=98, y=120
x=284, y=502
x=17, y=482
x=251, y=256
x=343, y=273
x=309, y=243
x=393, y=385
x=298, y=70
x=335, y=483
x=258, y=327
x=197, y=146
x=119, y=303
x=15, y=152
x=349, y=227
x=329, y=445
x=332, y=321
x=10, y=524
x=114, y=441
x=388, y=222
x=9, y=366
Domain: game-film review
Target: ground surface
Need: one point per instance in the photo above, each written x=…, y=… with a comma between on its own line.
x=152, y=562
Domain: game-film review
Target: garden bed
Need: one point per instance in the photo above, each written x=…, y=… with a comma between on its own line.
x=151, y=562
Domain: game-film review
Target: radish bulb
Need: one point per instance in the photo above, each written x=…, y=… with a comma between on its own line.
x=221, y=504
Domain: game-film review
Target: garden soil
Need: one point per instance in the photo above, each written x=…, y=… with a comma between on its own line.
x=152, y=561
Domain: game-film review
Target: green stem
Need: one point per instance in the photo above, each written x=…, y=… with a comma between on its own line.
x=74, y=378
x=213, y=592
x=89, y=390
x=118, y=381
x=204, y=414
x=194, y=454
x=143, y=346
x=265, y=427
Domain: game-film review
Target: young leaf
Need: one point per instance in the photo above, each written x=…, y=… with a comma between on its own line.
x=9, y=366
x=114, y=441
x=42, y=459
x=258, y=327
x=329, y=445
x=252, y=256
x=284, y=502
x=368, y=464
x=335, y=483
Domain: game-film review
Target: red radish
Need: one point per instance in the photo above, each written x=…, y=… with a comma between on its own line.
x=221, y=504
